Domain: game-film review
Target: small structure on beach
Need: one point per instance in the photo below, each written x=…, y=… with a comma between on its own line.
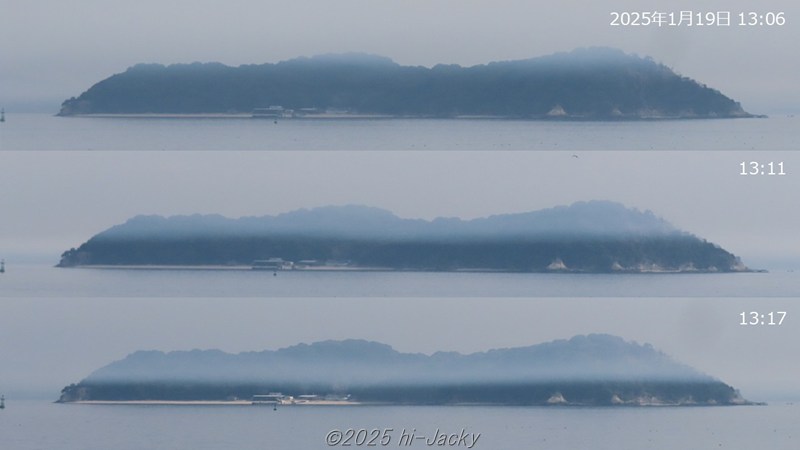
x=272, y=264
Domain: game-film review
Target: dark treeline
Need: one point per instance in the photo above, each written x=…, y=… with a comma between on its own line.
x=524, y=255
x=520, y=393
x=596, y=83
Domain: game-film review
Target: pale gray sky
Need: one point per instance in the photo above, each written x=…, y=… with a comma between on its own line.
x=51, y=50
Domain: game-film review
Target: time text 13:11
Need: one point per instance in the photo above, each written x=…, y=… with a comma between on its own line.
x=761, y=168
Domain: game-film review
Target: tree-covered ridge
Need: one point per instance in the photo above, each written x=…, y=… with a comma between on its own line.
x=596, y=236
x=593, y=369
x=593, y=83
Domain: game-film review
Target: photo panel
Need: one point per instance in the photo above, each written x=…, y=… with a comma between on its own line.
x=389, y=224
x=311, y=372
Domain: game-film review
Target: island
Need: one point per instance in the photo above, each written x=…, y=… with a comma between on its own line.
x=585, y=237
x=586, y=370
x=584, y=84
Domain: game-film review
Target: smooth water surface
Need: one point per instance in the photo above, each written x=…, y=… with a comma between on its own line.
x=29, y=425
x=47, y=132
x=42, y=281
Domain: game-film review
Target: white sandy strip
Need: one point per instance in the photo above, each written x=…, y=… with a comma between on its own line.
x=210, y=402
x=248, y=268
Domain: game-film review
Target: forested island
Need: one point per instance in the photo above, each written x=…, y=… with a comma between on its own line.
x=584, y=84
x=585, y=237
x=597, y=370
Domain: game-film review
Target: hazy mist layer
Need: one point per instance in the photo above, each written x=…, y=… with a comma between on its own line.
x=358, y=362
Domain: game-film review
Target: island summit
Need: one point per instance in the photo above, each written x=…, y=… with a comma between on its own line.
x=585, y=237
x=584, y=84
x=586, y=370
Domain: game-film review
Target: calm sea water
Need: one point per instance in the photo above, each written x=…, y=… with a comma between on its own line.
x=46, y=132
x=29, y=425
x=42, y=281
